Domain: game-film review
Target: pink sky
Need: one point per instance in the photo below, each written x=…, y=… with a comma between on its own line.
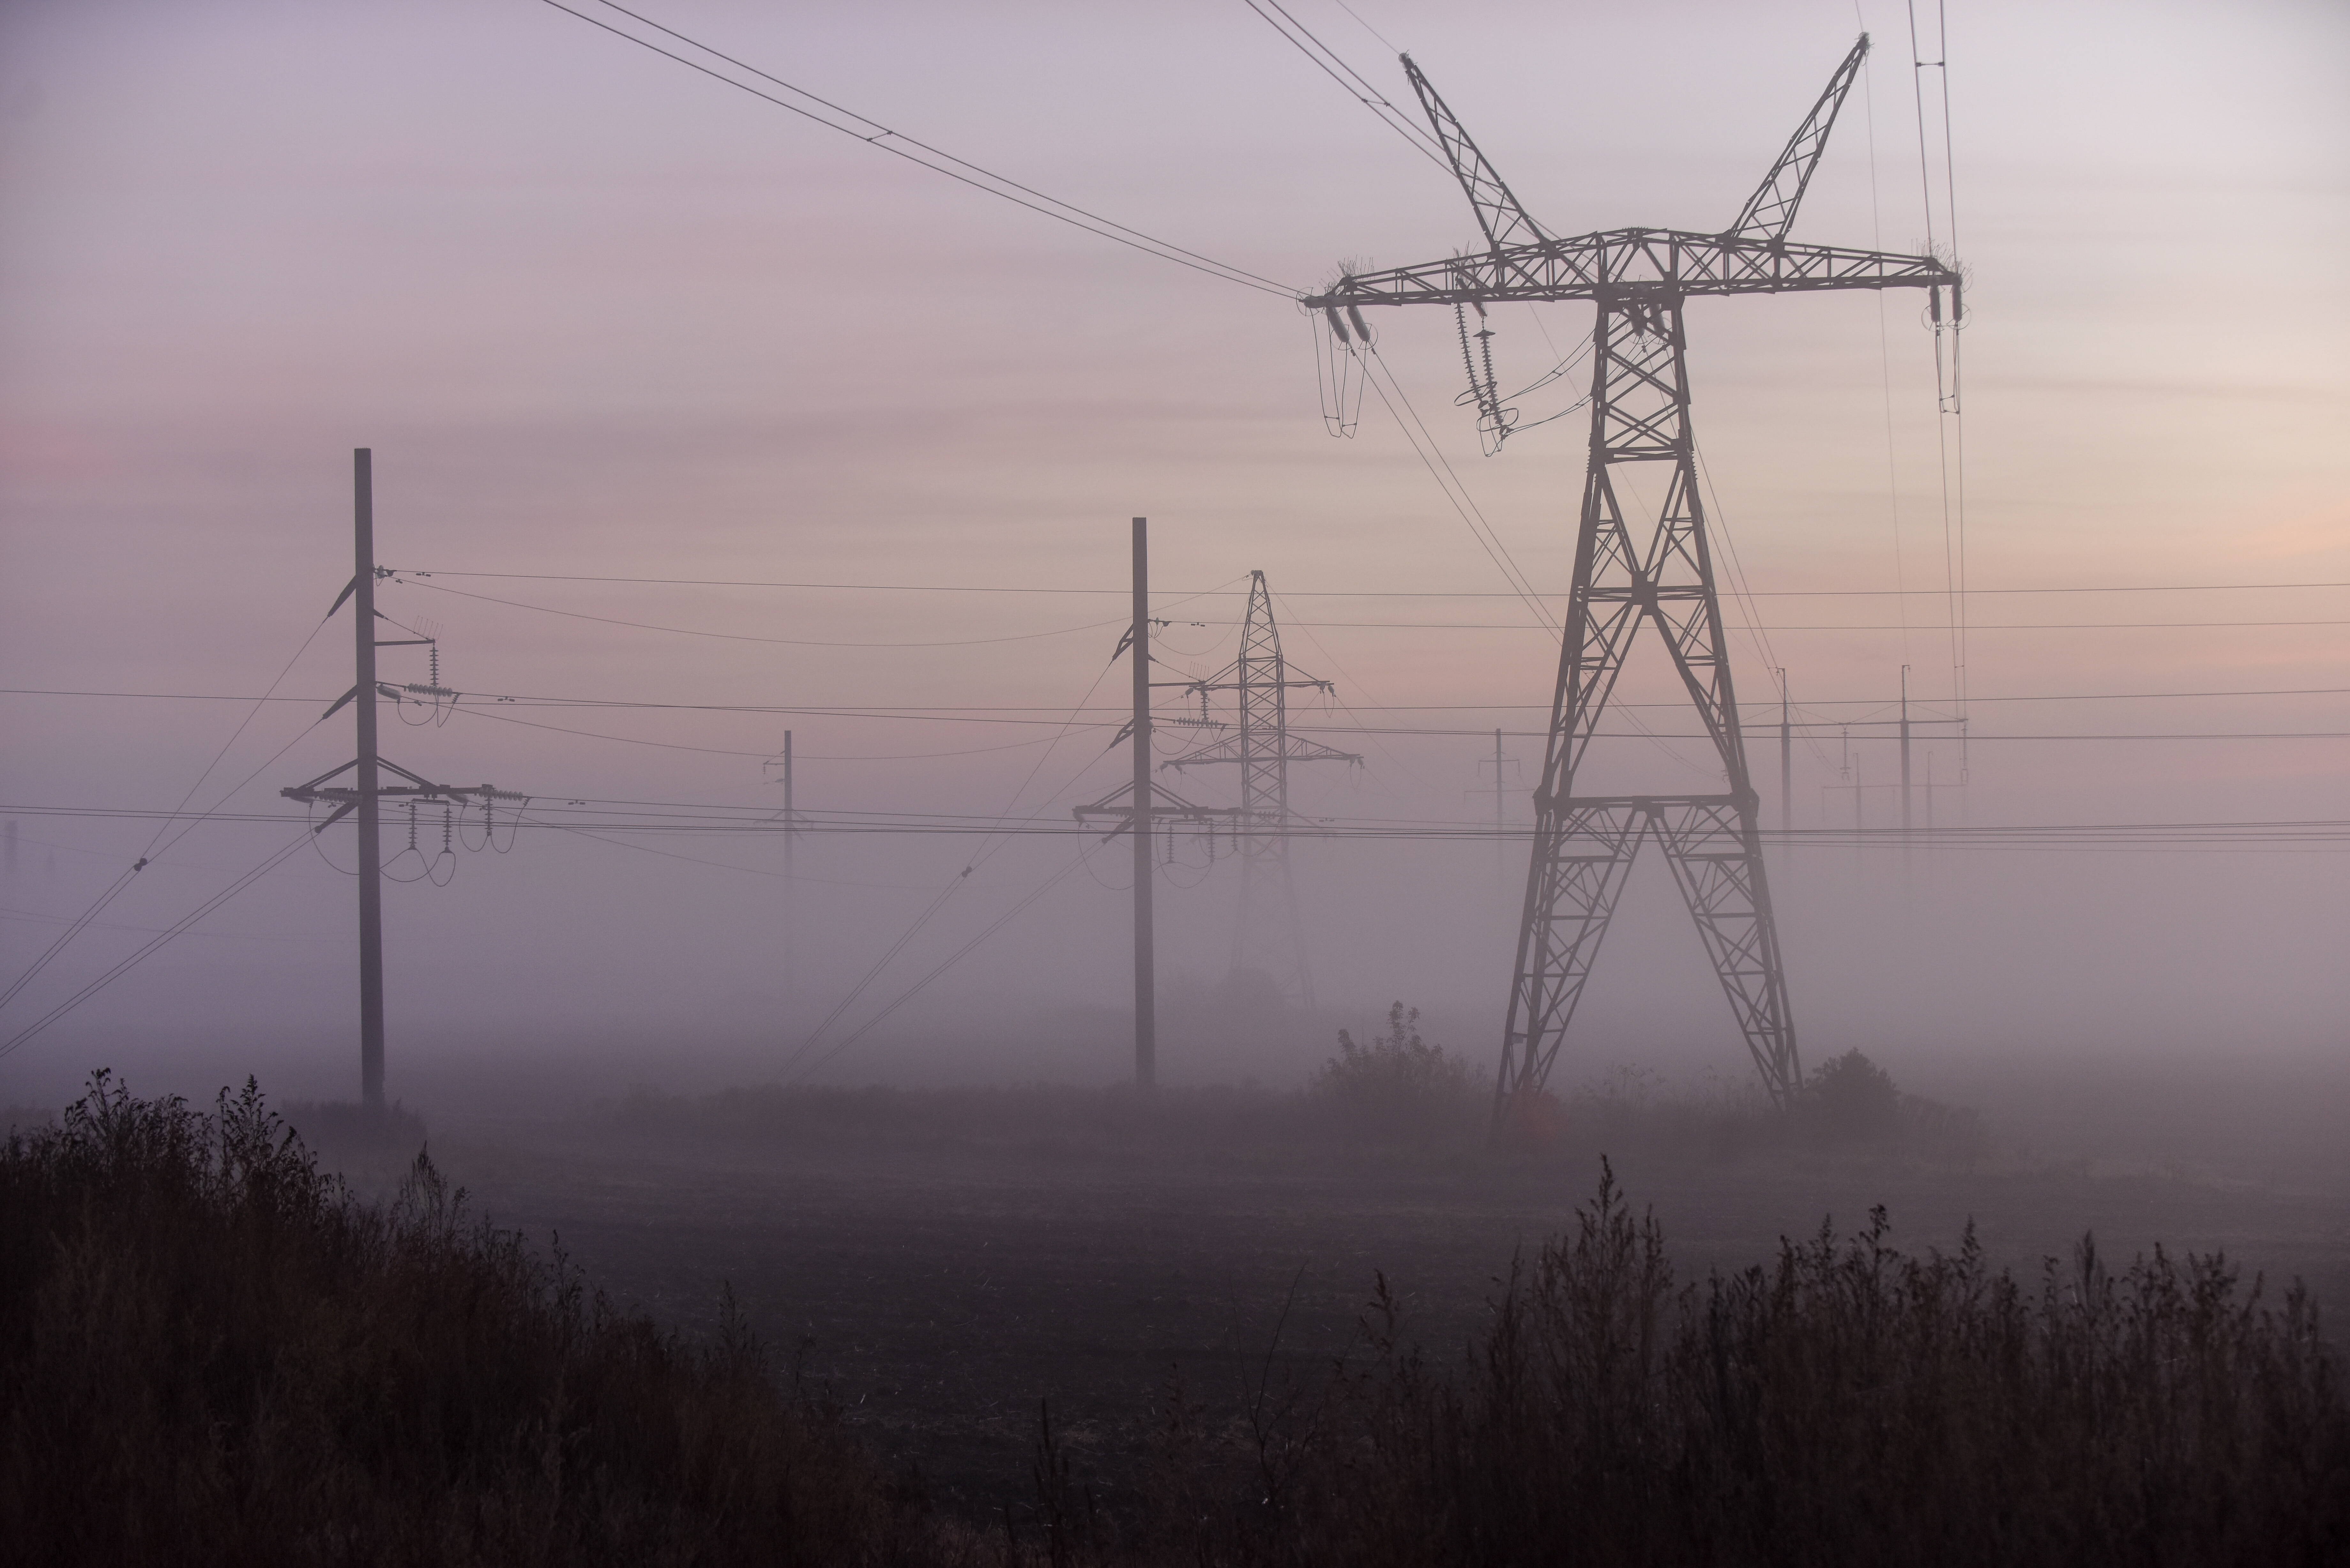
x=599, y=316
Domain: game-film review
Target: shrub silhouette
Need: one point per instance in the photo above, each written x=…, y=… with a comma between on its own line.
x=1395, y=1082
x=1851, y=1096
x=1846, y=1404
x=210, y=1353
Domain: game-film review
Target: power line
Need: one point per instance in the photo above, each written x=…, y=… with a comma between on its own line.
x=1493, y=546
x=941, y=967
x=613, y=816
x=479, y=713
x=1350, y=81
x=978, y=857
x=275, y=858
x=157, y=846
x=922, y=154
x=743, y=636
x=407, y=572
x=1431, y=457
x=957, y=713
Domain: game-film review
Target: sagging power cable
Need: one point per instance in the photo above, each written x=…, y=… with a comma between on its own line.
x=873, y=133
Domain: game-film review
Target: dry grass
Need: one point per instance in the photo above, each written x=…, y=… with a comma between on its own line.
x=210, y=1353
x=1849, y=1404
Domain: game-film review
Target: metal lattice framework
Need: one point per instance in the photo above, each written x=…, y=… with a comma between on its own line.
x=1268, y=936
x=1636, y=566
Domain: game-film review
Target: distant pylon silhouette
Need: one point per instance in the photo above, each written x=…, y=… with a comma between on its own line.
x=1268, y=936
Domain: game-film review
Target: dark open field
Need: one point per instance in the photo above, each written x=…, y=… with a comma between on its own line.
x=944, y=1261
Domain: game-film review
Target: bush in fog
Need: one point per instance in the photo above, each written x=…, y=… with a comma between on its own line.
x=1395, y=1081
x=212, y=1352
x=1850, y=1097
x=1848, y=1104
x=1847, y=1404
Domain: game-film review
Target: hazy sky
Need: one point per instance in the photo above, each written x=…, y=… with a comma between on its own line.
x=601, y=316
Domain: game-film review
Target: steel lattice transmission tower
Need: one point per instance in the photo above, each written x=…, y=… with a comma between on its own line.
x=1268, y=936
x=1637, y=565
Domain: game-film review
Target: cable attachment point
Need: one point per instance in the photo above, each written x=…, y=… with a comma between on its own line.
x=1495, y=421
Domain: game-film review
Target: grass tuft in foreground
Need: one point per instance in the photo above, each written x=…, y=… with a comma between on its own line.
x=1847, y=1404
x=212, y=1352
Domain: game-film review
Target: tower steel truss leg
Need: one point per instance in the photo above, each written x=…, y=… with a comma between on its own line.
x=1584, y=845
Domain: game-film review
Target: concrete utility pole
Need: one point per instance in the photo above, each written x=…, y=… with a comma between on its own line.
x=1498, y=817
x=370, y=802
x=1146, y=1001
x=1905, y=748
x=362, y=798
x=1136, y=805
x=1786, y=759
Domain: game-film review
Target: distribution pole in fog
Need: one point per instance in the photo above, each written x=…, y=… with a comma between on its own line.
x=1498, y=837
x=791, y=885
x=1905, y=769
x=1136, y=805
x=1145, y=1008
x=1786, y=760
x=362, y=799
x=371, y=804
x=1905, y=750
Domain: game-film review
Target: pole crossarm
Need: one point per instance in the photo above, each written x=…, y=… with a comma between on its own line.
x=321, y=790
x=1117, y=806
x=1628, y=266
x=1241, y=749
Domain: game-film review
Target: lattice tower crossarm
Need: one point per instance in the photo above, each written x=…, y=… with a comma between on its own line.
x=1637, y=567
x=1268, y=935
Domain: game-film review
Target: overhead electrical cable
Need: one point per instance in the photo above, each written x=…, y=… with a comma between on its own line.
x=1884, y=337
x=954, y=713
x=1756, y=632
x=270, y=862
x=157, y=844
x=1350, y=81
x=410, y=573
x=978, y=857
x=943, y=965
x=874, y=134
x=480, y=712
x=1433, y=458
x=795, y=875
x=1465, y=506
x=2328, y=832
x=703, y=820
x=744, y=637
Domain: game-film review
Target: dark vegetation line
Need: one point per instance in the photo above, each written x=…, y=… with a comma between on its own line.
x=212, y=1352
